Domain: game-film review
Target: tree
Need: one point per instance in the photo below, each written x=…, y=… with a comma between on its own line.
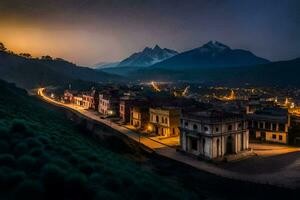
x=26, y=55
x=46, y=57
x=2, y=47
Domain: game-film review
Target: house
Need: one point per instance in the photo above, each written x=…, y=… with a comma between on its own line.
x=68, y=96
x=88, y=101
x=109, y=104
x=139, y=117
x=126, y=103
x=77, y=100
x=164, y=121
x=270, y=125
x=213, y=134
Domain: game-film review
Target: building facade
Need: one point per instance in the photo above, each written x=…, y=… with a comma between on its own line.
x=88, y=101
x=270, y=125
x=139, y=117
x=164, y=121
x=108, y=105
x=213, y=134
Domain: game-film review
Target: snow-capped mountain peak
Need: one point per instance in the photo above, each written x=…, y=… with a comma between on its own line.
x=148, y=56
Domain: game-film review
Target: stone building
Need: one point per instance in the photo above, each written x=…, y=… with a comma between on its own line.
x=139, y=117
x=126, y=103
x=213, y=134
x=164, y=121
x=109, y=104
x=269, y=125
x=88, y=101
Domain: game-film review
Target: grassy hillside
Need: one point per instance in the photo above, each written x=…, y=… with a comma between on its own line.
x=44, y=156
x=32, y=73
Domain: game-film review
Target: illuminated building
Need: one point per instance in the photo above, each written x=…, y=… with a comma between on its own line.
x=164, y=121
x=109, y=104
x=213, y=134
x=270, y=125
x=126, y=103
x=139, y=117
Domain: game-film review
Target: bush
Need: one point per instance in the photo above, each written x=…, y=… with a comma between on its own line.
x=112, y=183
x=7, y=160
x=53, y=180
x=29, y=190
x=20, y=149
x=32, y=143
x=86, y=168
x=13, y=179
x=26, y=163
x=4, y=147
x=20, y=128
x=76, y=187
x=107, y=195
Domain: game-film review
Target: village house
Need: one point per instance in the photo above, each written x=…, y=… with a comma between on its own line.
x=164, y=121
x=269, y=125
x=139, y=117
x=88, y=101
x=78, y=101
x=109, y=104
x=68, y=96
x=126, y=103
x=213, y=134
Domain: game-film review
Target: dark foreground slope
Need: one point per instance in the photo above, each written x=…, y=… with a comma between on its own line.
x=45, y=156
x=32, y=73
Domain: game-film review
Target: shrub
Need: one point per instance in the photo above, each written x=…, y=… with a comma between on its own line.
x=33, y=143
x=29, y=189
x=7, y=160
x=20, y=149
x=13, y=179
x=107, y=195
x=20, y=128
x=112, y=183
x=76, y=187
x=53, y=180
x=86, y=168
x=26, y=163
x=4, y=147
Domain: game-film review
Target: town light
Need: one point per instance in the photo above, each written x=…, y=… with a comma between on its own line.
x=149, y=128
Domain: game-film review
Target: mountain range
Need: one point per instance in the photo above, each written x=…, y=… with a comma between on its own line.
x=33, y=72
x=148, y=57
x=211, y=55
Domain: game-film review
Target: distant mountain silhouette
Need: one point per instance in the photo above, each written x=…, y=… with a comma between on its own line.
x=103, y=65
x=282, y=73
x=211, y=55
x=148, y=57
x=30, y=73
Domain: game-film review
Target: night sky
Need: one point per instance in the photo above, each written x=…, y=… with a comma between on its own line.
x=91, y=31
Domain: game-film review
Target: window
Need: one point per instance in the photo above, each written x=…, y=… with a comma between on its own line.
x=195, y=127
x=268, y=125
x=239, y=125
x=273, y=136
x=205, y=128
x=157, y=120
x=194, y=144
x=261, y=125
x=229, y=127
x=186, y=123
x=166, y=120
x=280, y=137
x=281, y=127
x=274, y=127
x=217, y=129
